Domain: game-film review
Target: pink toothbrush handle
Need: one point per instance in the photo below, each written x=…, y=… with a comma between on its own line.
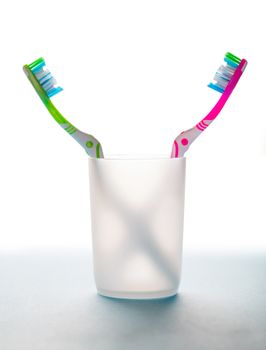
x=185, y=139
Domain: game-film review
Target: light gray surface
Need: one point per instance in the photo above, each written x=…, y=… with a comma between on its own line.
x=48, y=301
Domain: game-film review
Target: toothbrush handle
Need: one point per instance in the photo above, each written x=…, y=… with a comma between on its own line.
x=185, y=139
x=91, y=145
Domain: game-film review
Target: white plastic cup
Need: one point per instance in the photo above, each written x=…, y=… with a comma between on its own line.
x=137, y=211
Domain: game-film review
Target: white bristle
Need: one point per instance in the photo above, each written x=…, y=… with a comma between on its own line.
x=46, y=80
x=224, y=75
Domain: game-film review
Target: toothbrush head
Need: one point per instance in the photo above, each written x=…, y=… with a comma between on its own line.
x=228, y=73
x=41, y=78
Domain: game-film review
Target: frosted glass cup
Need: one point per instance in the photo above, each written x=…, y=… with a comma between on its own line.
x=137, y=210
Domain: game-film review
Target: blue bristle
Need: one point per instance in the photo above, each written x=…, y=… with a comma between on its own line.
x=54, y=91
x=230, y=62
x=38, y=67
x=215, y=87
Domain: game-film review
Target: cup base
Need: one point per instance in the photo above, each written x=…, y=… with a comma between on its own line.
x=137, y=295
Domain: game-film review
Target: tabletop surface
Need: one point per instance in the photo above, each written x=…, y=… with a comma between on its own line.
x=48, y=301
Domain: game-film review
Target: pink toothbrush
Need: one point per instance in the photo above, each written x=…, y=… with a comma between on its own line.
x=226, y=79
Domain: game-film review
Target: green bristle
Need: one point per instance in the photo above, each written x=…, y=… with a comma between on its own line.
x=233, y=57
x=35, y=63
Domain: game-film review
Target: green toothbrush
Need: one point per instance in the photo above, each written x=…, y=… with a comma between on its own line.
x=46, y=86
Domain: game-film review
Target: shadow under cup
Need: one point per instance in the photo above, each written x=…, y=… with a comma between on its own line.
x=137, y=213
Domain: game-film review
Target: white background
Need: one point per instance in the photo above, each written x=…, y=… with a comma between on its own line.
x=134, y=75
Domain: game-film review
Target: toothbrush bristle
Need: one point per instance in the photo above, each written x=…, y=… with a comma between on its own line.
x=225, y=72
x=44, y=77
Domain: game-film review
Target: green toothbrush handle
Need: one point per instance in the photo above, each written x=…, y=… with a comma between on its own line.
x=91, y=145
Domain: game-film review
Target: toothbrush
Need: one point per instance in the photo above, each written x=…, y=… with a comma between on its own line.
x=225, y=81
x=46, y=86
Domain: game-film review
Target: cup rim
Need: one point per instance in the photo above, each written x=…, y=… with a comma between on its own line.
x=137, y=157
